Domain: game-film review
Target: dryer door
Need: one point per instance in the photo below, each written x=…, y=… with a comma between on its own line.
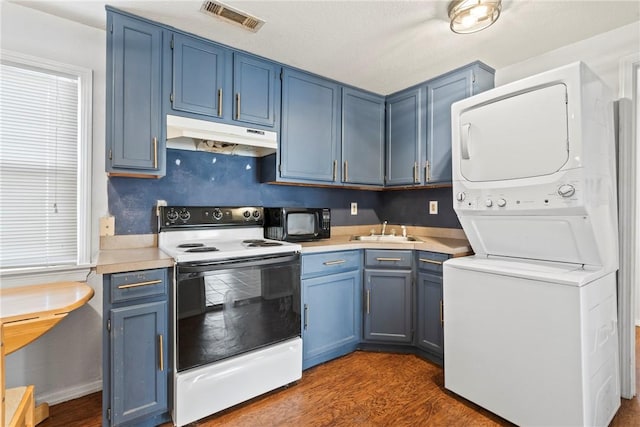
x=521, y=136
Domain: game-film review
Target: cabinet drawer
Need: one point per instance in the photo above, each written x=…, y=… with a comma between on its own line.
x=431, y=261
x=388, y=258
x=138, y=284
x=330, y=262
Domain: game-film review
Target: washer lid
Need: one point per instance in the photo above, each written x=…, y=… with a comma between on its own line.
x=521, y=136
x=544, y=271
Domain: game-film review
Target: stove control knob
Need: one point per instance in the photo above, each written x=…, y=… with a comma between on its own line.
x=566, y=190
x=502, y=203
x=172, y=215
x=256, y=214
x=185, y=215
x=461, y=196
x=217, y=214
x=246, y=214
x=489, y=203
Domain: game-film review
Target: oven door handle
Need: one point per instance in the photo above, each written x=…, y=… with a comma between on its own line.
x=204, y=266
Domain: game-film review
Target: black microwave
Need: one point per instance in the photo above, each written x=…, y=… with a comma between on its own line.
x=297, y=224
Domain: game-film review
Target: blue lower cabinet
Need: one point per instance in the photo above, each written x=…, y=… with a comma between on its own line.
x=331, y=305
x=388, y=307
x=135, y=349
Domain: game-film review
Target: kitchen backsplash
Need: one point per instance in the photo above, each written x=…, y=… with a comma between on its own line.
x=207, y=179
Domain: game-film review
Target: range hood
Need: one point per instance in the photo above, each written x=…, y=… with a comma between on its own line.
x=199, y=135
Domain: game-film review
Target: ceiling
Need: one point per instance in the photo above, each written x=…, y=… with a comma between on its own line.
x=382, y=46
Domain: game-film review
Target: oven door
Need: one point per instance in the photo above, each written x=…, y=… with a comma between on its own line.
x=229, y=307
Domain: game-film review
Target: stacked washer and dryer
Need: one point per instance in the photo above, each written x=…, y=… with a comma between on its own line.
x=530, y=321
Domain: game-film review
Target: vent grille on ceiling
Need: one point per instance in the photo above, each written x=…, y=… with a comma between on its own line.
x=229, y=14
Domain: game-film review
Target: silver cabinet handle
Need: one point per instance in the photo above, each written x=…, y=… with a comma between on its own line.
x=306, y=316
x=415, y=172
x=219, y=102
x=427, y=171
x=388, y=259
x=155, y=152
x=430, y=261
x=136, y=285
x=346, y=171
x=237, y=106
x=368, y=300
x=335, y=169
x=161, y=346
x=336, y=262
x=441, y=313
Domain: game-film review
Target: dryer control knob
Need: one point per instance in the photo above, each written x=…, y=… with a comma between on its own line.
x=489, y=203
x=502, y=203
x=461, y=196
x=566, y=190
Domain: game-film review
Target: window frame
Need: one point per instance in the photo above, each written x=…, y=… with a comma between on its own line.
x=84, y=163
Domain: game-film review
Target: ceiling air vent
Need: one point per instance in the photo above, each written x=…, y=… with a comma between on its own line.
x=229, y=14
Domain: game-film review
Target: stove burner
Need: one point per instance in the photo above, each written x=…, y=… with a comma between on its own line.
x=263, y=244
x=202, y=249
x=191, y=245
x=254, y=241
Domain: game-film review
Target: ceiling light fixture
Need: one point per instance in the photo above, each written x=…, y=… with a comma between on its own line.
x=469, y=16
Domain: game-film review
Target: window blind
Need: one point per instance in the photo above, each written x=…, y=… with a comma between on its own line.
x=39, y=146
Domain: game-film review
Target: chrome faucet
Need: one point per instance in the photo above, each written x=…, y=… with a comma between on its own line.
x=384, y=227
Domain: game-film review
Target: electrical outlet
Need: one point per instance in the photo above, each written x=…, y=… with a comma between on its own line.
x=354, y=208
x=433, y=207
x=107, y=226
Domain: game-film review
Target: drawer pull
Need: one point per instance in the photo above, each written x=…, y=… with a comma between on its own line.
x=388, y=259
x=136, y=285
x=219, y=102
x=161, y=355
x=431, y=261
x=306, y=316
x=441, y=313
x=336, y=262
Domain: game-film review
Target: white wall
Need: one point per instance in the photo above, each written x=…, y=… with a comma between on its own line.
x=65, y=362
x=601, y=53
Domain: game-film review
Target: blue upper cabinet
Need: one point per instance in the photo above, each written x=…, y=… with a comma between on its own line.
x=405, y=135
x=442, y=92
x=310, y=128
x=362, y=137
x=254, y=90
x=135, y=126
x=198, y=76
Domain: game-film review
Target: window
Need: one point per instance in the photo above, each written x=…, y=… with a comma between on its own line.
x=45, y=111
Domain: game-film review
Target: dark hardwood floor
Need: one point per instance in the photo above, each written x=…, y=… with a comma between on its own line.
x=365, y=389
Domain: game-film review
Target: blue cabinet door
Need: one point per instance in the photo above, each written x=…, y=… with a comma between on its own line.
x=199, y=77
x=387, y=306
x=362, y=137
x=139, y=362
x=430, y=324
x=332, y=324
x=254, y=88
x=310, y=128
x=405, y=135
x=135, y=127
x=442, y=93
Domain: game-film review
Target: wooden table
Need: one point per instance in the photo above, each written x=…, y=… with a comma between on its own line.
x=27, y=312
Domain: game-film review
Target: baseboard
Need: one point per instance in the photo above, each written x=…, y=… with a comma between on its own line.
x=70, y=393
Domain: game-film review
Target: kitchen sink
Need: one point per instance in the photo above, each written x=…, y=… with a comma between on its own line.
x=385, y=238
